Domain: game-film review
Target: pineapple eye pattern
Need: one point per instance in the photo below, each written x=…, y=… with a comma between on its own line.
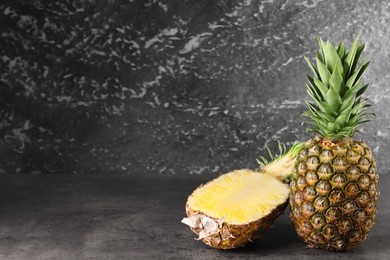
x=339, y=163
x=313, y=160
x=364, y=161
x=298, y=197
x=301, y=183
x=339, y=151
x=333, y=214
x=326, y=156
x=311, y=177
x=308, y=209
x=344, y=225
x=355, y=235
x=327, y=153
x=329, y=231
x=315, y=150
x=348, y=207
x=318, y=221
x=339, y=180
x=362, y=199
x=323, y=187
x=309, y=193
x=372, y=172
x=325, y=171
x=353, y=173
x=302, y=168
x=321, y=204
x=351, y=190
x=303, y=154
x=316, y=237
x=336, y=197
x=352, y=153
x=360, y=216
x=364, y=182
x=307, y=228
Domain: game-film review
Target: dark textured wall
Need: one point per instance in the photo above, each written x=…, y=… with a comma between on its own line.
x=171, y=86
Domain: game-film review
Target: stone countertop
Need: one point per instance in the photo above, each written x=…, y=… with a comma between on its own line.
x=138, y=217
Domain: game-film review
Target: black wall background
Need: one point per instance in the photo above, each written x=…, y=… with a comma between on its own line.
x=171, y=86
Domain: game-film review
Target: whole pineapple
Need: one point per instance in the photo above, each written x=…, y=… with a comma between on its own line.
x=334, y=187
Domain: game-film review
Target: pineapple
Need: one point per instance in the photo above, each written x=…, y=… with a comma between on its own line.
x=234, y=208
x=334, y=187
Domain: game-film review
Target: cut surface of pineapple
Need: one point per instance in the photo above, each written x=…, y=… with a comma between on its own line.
x=239, y=197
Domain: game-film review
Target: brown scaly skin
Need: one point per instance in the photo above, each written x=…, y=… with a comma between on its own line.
x=334, y=192
x=233, y=236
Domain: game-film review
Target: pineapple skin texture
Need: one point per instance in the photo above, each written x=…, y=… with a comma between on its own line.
x=334, y=192
x=231, y=236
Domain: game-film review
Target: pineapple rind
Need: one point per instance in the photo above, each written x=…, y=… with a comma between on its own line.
x=334, y=192
x=229, y=236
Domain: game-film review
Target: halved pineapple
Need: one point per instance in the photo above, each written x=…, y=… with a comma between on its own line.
x=234, y=208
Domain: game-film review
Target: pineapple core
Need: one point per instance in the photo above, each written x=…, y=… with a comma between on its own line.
x=239, y=197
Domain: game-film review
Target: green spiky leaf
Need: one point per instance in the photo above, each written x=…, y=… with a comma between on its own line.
x=311, y=66
x=332, y=59
x=341, y=50
x=323, y=71
x=349, y=59
x=361, y=90
x=336, y=80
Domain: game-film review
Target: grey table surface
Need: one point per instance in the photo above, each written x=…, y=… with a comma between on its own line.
x=138, y=217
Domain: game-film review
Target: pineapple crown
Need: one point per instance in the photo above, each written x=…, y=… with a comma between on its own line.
x=336, y=89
